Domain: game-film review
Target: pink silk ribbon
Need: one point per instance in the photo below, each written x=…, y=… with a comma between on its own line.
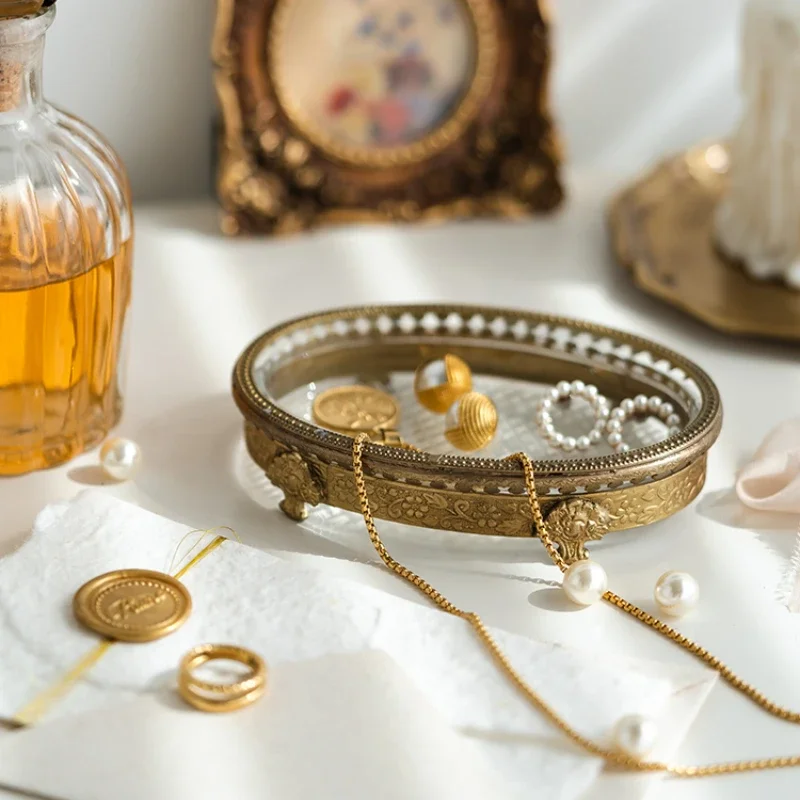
x=771, y=481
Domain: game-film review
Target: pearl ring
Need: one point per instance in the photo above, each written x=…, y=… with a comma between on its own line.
x=563, y=391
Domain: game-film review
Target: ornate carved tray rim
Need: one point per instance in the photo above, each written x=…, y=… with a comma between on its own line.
x=699, y=434
x=311, y=465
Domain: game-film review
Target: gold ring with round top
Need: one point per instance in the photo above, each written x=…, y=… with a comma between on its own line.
x=213, y=696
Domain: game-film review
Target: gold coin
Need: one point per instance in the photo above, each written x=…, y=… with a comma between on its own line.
x=133, y=605
x=355, y=409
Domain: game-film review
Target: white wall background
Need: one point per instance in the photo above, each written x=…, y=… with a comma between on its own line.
x=633, y=79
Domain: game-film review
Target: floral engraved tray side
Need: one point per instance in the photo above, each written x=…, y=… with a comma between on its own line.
x=515, y=357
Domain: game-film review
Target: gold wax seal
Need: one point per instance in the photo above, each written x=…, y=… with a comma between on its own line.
x=133, y=605
x=355, y=409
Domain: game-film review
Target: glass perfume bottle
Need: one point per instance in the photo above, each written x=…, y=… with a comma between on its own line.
x=65, y=260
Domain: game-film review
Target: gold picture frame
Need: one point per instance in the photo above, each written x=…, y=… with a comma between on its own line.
x=495, y=151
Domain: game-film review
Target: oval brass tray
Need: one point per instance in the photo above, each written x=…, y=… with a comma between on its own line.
x=515, y=356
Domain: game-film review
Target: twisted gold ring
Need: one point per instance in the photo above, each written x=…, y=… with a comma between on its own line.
x=211, y=696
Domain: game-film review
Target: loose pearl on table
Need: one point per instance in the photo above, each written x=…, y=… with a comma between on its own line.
x=676, y=593
x=120, y=458
x=584, y=582
x=635, y=735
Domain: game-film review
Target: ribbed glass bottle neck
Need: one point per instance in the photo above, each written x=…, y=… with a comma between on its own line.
x=21, y=56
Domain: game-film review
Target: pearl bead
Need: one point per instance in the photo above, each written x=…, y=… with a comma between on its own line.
x=627, y=406
x=673, y=431
x=618, y=413
x=577, y=387
x=653, y=404
x=590, y=392
x=584, y=582
x=614, y=426
x=552, y=394
x=673, y=420
x=569, y=443
x=558, y=439
x=621, y=447
x=615, y=438
x=595, y=436
x=635, y=735
x=120, y=458
x=640, y=403
x=563, y=388
x=583, y=443
x=676, y=593
x=665, y=410
x=603, y=412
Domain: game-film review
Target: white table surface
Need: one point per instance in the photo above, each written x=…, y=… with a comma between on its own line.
x=200, y=298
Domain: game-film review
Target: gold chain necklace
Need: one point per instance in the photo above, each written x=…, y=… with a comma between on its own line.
x=610, y=756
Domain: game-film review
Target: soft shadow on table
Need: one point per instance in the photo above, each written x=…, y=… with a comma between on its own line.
x=11, y=543
x=90, y=475
x=553, y=599
x=724, y=506
x=188, y=475
x=16, y=792
x=776, y=530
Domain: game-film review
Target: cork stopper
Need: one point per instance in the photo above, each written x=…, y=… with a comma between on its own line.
x=20, y=8
x=10, y=83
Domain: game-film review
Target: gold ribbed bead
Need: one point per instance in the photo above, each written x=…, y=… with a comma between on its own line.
x=439, y=383
x=471, y=422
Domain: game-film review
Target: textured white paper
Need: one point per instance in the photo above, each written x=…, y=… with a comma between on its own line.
x=336, y=727
x=290, y=613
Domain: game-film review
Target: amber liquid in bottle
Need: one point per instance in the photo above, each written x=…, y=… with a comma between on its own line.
x=60, y=346
x=65, y=260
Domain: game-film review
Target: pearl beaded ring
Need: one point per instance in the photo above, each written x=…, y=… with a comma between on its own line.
x=639, y=406
x=564, y=390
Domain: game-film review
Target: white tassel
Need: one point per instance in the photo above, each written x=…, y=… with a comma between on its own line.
x=789, y=587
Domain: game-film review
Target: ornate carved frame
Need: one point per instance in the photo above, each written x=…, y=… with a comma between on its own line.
x=498, y=154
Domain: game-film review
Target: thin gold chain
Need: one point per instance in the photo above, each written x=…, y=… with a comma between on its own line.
x=613, y=757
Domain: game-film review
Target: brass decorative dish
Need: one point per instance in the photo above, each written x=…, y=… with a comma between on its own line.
x=662, y=229
x=515, y=357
